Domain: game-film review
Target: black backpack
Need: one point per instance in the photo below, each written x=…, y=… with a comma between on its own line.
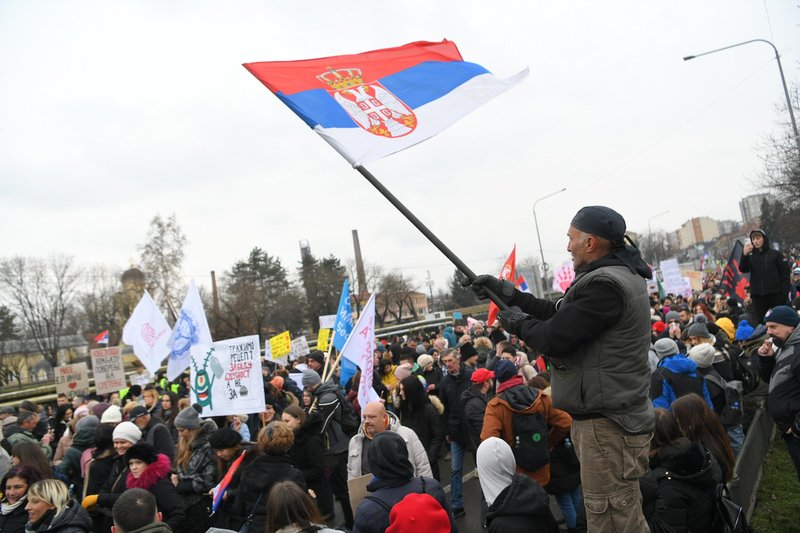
x=745, y=368
x=349, y=420
x=733, y=412
x=530, y=440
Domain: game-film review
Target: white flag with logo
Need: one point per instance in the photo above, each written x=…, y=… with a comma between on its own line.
x=190, y=329
x=148, y=332
x=359, y=349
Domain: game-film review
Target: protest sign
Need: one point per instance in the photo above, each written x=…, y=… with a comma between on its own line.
x=108, y=369
x=72, y=380
x=674, y=282
x=226, y=377
x=327, y=321
x=695, y=279
x=299, y=347
x=322, y=339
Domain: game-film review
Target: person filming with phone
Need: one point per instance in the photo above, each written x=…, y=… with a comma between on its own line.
x=769, y=274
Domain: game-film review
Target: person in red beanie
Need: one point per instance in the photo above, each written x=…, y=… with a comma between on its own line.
x=416, y=512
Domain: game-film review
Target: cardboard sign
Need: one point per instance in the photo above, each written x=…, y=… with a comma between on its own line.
x=327, y=322
x=280, y=346
x=226, y=377
x=299, y=347
x=108, y=370
x=72, y=380
x=322, y=339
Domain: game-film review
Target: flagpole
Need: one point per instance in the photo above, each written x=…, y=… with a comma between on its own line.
x=428, y=233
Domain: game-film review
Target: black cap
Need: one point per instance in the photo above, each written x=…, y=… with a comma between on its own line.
x=136, y=412
x=601, y=221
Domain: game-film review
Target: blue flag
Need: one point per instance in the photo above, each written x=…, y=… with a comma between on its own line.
x=342, y=329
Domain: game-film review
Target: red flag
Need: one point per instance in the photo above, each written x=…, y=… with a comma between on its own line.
x=102, y=338
x=509, y=273
x=734, y=282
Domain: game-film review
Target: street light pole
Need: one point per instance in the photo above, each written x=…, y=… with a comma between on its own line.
x=783, y=79
x=650, y=231
x=536, y=221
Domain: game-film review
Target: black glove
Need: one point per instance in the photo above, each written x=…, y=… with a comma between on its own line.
x=502, y=288
x=512, y=318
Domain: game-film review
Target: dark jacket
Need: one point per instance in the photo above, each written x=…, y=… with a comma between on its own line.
x=156, y=480
x=680, y=489
x=157, y=434
x=372, y=514
x=200, y=473
x=114, y=484
x=769, y=270
x=14, y=522
x=330, y=408
x=308, y=456
x=565, y=469
x=73, y=519
x=260, y=476
x=598, y=338
x=97, y=472
x=427, y=425
x=450, y=390
x=521, y=507
x=70, y=465
x=227, y=518
x=782, y=371
x=474, y=403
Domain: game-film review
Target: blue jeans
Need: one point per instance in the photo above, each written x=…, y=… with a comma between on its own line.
x=457, y=450
x=570, y=502
x=736, y=436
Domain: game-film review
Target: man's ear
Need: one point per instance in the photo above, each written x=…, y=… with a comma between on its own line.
x=158, y=516
x=113, y=529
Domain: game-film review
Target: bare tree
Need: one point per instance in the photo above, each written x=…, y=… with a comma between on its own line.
x=374, y=274
x=162, y=260
x=394, y=295
x=97, y=303
x=42, y=293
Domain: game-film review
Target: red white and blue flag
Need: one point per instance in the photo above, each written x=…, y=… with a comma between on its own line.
x=522, y=284
x=102, y=338
x=219, y=491
x=376, y=103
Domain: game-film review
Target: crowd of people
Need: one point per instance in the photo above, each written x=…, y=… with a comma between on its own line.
x=645, y=416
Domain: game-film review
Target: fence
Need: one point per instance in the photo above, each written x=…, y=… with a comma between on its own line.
x=750, y=463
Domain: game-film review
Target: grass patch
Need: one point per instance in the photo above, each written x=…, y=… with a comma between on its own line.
x=778, y=503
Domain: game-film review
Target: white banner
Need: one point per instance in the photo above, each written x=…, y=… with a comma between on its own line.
x=108, y=370
x=226, y=377
x=148, y=332
x=327, y=321
x=72, y=380
x=299, y=347
x=359, y=349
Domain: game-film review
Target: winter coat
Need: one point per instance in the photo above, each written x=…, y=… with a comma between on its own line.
x=334, y=438
x=373, y=516
x=226, y=515
x=26, y=436
x=260, y=476
x=70, y=465
x=565, y=469
x=427, y=426
x=450, y=390
x=153, y=527
x=114, y=485
x=308, y=456
x=498, y=420
x=98, y=471
x=782, y=371
x=676, y=376
x=73, y=519
x=14, y=522
x=680, y=489
x=769, y=270
x=416, y=451
x=297, y=528
x=200, y=473
x=157, y=434
x=156, y=480
x=521, y=507
x=474, y=404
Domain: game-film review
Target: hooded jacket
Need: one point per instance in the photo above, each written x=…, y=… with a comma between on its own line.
x=258, y=479
x=334, y=439
x=450, y=390
x=674, y=377
x=156, y=480
x=474, y=404
x=521, y=507
x=416, y=451
x=498, y=420
x=782, y=371
x=308, y=456
x=680, y=489
x=200, y=473
x=70, y=465
x=73, y=519
x=769, y=270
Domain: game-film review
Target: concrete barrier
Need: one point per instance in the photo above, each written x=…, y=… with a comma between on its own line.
x=750, y=463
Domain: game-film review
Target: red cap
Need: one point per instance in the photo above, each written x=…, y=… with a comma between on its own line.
x=418, y=512
x=482, y=375
x=659, y=327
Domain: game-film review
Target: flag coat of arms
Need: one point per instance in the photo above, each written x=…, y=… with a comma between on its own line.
x=370, y=105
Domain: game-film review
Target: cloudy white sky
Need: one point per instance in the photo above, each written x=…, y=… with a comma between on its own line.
x=112, y=112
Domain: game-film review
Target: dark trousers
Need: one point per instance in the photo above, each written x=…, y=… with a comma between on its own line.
x=197, y=519
x=338, y=468
x=793, y=444
x=762, y=304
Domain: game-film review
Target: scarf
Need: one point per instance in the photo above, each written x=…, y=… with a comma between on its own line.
x=8, y=508
x=43, y=522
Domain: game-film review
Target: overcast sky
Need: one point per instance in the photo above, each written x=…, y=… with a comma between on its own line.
x=112, y=112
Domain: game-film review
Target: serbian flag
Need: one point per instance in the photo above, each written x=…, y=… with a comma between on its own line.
x=522, y=284
x=508, y=273
x=219, y=491
x=376, y=103
x=102, y=338
x=734, y=282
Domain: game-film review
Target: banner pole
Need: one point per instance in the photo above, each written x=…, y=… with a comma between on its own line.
x=460, y=265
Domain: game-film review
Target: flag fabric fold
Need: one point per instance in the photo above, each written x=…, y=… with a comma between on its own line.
x=734, y=282
x=522, y=285
x=359, y=350
x=376, y=103
x=508, y=273
x=147, y=332
x=342, y=328
x=219, y=491
x=190, y=329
